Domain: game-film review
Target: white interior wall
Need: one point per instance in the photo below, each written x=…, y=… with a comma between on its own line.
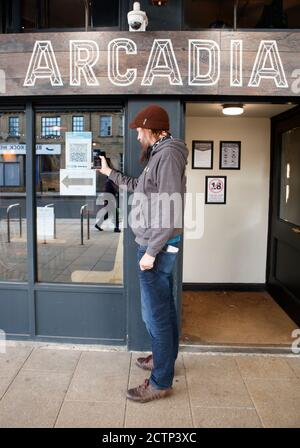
x=233, y=248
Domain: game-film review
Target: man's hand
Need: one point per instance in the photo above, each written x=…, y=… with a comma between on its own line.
x=104, y=167
x=146, y=262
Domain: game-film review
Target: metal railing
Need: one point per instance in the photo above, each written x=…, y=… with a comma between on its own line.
x=8, y=219
x=82, y=209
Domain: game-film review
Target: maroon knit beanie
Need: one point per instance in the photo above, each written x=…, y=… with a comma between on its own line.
x=152, y=117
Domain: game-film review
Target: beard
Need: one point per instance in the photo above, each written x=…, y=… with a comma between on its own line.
x=145, y=152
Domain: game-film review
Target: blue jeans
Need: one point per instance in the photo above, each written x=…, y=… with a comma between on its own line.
x=159, y=314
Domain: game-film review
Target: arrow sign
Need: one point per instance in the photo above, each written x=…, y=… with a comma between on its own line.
x=77, y=182
x=67, y=181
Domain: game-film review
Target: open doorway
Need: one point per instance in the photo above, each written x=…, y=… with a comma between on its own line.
x=225, y=299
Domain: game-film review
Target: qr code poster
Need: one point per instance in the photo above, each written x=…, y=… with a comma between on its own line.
x=78, y=150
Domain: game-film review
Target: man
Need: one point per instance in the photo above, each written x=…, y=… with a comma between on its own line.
x=157, y=243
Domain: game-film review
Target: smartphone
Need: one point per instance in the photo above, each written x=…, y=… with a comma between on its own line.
x=96, y=158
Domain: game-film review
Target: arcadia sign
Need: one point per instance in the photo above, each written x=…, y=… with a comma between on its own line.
x=169, y=63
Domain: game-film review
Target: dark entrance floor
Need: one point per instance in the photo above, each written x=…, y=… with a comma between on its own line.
x=231, y=317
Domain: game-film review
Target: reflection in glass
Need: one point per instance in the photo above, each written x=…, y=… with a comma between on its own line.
x=13, y=244
x=290, y=177
x=71, y=249
x=261, y=14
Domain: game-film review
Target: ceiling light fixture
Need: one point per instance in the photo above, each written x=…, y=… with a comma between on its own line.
x=233, y=109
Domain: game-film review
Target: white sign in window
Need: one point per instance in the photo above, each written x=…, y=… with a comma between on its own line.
x=45, y=223
x=78, y=150
x=77, y=182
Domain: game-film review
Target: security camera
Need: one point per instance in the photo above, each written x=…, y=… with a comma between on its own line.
x=137, y=19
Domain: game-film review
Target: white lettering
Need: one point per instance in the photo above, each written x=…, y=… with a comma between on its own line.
x=162, y=62
x=83, y=56
x=114, y=74
x=43, y=64
x=236, y=63
x=205, y=52
x=268, y=52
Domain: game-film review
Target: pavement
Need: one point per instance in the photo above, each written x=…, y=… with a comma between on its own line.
x=65, y=385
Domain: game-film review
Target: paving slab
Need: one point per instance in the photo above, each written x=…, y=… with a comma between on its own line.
x=276, y=401
x=89, y=414
x=33, y=399
x=45, y=359
x=294, y=363
x=13, y=359
x=265, y=367
x=218, y=417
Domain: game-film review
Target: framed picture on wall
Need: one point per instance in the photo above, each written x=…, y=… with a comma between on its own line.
x=230, y=155
x=215, y=189
x=202, y=154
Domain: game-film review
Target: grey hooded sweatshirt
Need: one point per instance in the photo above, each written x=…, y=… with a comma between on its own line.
x=163, y=176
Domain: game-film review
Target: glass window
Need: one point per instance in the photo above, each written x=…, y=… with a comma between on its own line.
x=30, y=14
x=55, y=14
x=67, y=192
x=12, y=174
x=50, y=164
x=250, y=14
x=105, y=126
x=208, y=14
x=52, y=14
x=13, y=126
x=50, y=127
x=13, y=243
x=121, y=126
x=105, y=13
x=290, y=175
x=264, y=14
x=78, y=124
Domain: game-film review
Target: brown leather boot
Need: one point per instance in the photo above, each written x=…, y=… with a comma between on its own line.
x=145, y=363
x=145, y=392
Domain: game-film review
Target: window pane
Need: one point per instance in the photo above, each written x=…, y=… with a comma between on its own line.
x=12, y=174
x=292, y=11
x=105, y=13
x=58, y=14
x=29, y=13
x=290, y=175
x=105, y=126
x=63, y=187
x=263, y=14
x=121, y=126
x=50, y=127
x=250, y=14
x=13, y=126
x=52, y=14
x=78, y=124
x=13, y=244
x=208, y=13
